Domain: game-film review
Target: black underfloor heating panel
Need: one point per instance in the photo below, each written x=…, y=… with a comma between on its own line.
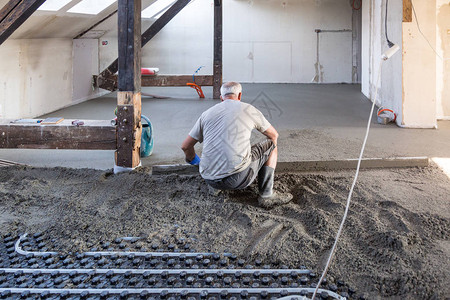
x=32, y=268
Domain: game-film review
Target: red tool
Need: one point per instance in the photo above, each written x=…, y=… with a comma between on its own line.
x=197, y=88
x=149, y=71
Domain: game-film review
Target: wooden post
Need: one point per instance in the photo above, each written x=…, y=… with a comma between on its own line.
x=217, y=73
x=407, y=11
x=129, y=84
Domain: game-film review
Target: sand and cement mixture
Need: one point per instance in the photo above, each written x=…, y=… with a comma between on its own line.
x=395, y=245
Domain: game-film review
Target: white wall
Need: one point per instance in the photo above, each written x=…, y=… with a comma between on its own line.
x=35, y=77
x=275, y=41
x=417, y=83
x=366, y=47
x=264, y=41
x=419, y=67
x=374, y=44
x=443, y=66
x=38, y=76
x=85, y=64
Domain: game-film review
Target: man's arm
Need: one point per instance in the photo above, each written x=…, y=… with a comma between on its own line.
x=188, y=148
x=272, y=134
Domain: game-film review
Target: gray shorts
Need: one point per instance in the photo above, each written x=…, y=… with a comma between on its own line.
x=260, y=154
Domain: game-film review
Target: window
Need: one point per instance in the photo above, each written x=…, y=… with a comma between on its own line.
x=156, y=9
x=91, y=7
x=54, y=5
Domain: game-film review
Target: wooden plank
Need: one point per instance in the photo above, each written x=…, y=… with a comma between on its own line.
x=159, y=80
x=108, y=83
x=218, y=32
x=17, y=16
x=54, y=120
x=146, y=37
x=129, y=126
x=7, y=8
x=176, y=80
x=407, y=11
x=93, y=135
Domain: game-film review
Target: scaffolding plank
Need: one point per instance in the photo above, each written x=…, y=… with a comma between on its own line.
x=159, y=80
x=93, y=135
x=176, y=80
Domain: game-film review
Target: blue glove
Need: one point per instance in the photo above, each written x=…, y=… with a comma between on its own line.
x=195, y=161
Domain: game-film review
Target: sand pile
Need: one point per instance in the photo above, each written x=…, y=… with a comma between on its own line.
x=395, y=243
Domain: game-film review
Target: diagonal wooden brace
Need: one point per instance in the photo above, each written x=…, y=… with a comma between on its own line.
x=14, y=14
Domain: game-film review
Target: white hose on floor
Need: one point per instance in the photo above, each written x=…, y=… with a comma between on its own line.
x=19, y=250
x=333, y=249
x=294, y=297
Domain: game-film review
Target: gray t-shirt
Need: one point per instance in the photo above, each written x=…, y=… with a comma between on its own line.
x=225, y=131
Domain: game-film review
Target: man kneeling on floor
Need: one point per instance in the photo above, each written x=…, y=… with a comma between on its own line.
x=229, y=162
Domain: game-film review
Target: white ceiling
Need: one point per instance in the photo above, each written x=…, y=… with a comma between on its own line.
x=61, y=24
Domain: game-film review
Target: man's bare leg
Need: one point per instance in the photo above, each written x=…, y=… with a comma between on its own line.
x=273, y=158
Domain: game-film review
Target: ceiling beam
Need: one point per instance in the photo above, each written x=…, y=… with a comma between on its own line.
x=14, y=14
x=7, y=8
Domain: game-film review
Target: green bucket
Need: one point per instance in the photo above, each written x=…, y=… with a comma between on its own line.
x=146, y=137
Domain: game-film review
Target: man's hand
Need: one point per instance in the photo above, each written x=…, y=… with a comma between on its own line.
x=195, y=161
x=188, y=149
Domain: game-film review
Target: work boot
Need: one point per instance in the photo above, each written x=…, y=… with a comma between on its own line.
x=267, y=197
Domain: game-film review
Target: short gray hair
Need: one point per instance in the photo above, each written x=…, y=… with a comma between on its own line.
x=229, y=88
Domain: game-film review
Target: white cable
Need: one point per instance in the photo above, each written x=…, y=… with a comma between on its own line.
x=333, y=249
x=423, y=35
